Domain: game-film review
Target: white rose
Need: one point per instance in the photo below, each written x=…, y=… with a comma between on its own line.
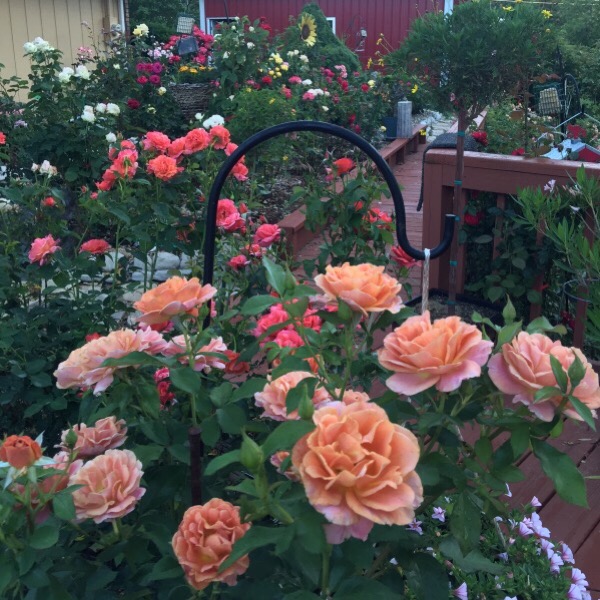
x=35, y=168
x=325, y=108
x=116, y=66
x=29, y=47
x=100, y=107
x=307, y=82
x=304, y=58
x=111, y=138
x=88, y=114
x=82, y=72
x=250, y=45
x=251, y=29
x=199, y=116
x=213, y=121
x=65, y=75
x=225, y=55
x=161, y=91
x=113, y=109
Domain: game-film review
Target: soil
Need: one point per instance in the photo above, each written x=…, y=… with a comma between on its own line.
x=276, y=202
x=438, y=307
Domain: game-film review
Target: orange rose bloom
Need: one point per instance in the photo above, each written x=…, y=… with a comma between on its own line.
x=358, y=468
x=196, y=140
x=365, y=288
x=164, y=167
x=175, y=296
x=441, y=354
x=204, y=541
x=343, y=165
x=523, y=367
x=20, y=451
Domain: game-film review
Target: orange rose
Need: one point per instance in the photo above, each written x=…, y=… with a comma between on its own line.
x=204, y=541
x=343, y=165
x=20, y=451
x=273, y=397
x=423, y=355
x=196, y=140
x=175, y=296
x=352, y=397
x=106, y=434
x=164, y=167
x=358, y=468
x=523, y=367
x=365, y=288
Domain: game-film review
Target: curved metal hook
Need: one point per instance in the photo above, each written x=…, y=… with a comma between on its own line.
x=337, y=131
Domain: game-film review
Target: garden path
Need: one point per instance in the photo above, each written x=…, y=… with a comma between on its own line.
x=578, y=527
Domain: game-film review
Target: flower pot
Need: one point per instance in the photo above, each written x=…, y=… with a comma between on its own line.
x=191, y=97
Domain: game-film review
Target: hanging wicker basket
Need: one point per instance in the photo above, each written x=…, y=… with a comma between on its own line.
x=192, y=98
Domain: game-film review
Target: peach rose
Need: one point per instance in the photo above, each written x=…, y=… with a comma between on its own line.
x=202, y=362
x=111, y=486
x=204, y=540
x=220, y=137
x=83, y=367
x=106, y=434
x=523, y=367
x=175, y=296
x=278, y=459
x=352, y=397
x=42, y=249
x=155, y=140
x=365, y=288
x=240, y=171
x=20, y=451
x=441, y=354
x=196, y=140
x=358, y=468
x=164, y=167
x=272, y=398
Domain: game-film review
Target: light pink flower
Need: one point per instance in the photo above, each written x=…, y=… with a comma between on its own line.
x=267, y=234
x=336, y=534
x=202, y=362
x=106, y=434
x=111, y=486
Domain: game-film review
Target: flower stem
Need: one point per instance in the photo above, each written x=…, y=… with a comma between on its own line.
x=326, y=559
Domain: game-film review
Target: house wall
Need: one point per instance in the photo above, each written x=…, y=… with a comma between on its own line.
x=390, y=17
x=57, y=21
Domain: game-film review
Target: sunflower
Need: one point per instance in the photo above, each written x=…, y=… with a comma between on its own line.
x=308, y=29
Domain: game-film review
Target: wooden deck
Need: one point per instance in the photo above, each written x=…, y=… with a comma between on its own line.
x=579, y=528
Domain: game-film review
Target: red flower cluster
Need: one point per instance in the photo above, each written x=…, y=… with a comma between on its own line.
x=287, y=336
x=163, y=386
x=473, y=220
x=480, y=137
x=205, y=42
x=518, y=152
x=575, y=132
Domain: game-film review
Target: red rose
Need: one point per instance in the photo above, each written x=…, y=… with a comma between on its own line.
x=343, y=165
x=49, y=202
x=133, y=103
x=473, y=220
x=518, y=152
x=402, y=258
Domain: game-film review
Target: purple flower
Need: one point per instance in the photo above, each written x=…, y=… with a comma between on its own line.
x=498, y=519
x=503, y=556
x=578, y=578
x=157, y=68
x=20, y=123
x=536, y=525
x=567, y=554
x=524, y=530
x=535, y=502
x=415, y=525
x=555, y=563
x=154, y=79
x=510, y=598
x=439, y=513
x=461, y=592
x=546, y=546
x=575, y=593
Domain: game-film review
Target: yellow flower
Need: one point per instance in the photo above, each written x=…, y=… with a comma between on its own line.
x=272, y=101
x=546, y=14
x=248, y=89
x=151, y=110
x=271, y=72
x=415, y=89
x=371, y=83
x=380, y=62
x=507, y=8
x=308, y=29
x=284, y=67
x=192, y=70
x=284, y=158
x=369, y=63
x=161, y=91
x=183, y=69
x=548, y=30
x=518, y=1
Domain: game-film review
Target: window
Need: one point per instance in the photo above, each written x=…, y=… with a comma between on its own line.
x=331, y=21
x=212, y=23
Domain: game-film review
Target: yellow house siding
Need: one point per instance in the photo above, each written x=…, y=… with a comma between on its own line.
x=58, y=22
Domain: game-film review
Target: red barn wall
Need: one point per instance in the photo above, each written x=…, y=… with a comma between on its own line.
x=390, y=17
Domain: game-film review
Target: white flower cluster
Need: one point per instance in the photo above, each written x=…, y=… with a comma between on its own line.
x=159, y=52
x=81, y=72
x=44, y=169
x=38, y=45
x=88, y=114
x=213, y=121
x=110, y=108
x=318, y=92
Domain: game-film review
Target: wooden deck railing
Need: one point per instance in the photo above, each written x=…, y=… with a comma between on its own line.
x=498, y=174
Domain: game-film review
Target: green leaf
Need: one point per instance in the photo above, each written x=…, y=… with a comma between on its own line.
x=465, y=522
x=220, y=462
x=509, y=314
x=276, y=276
x=166, y=568
x=231, y=418
x=484, y=450
x=519, y=439
x=507, y=333
x=305, y=388
x=249, y=388
x=286, y=435
x=298, y=308
x=100, y=578
x=221, y=394
x=187, y=380
x=134, y=359
x=542, y=325
x=258, y=304
x=583, y=411
x=361, y=588
x=518, y=263
x=427, y=578
x=62, y=505
x=44, y=537
x=495, y=293
x=546, y=392
x=559, y=374
x=567, y=479
x=576, y=372
x=211, y=432
x=483, y=239
x=257, y=537
x=475, y=561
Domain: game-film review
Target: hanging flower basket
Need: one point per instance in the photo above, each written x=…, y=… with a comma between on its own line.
x=192, y=98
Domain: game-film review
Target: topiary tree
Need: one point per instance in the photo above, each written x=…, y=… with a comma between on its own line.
x=473, y=57
x=327, y=48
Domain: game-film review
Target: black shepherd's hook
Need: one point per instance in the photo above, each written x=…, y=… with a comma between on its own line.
x=337, y=131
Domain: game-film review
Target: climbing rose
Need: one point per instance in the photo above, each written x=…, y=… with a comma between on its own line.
x=42, y=249
x=111, y=486
x=266, y=235
x=523, y=367
x=365, y=288
x=204, y=540
x=358, y=468
x=442, y=354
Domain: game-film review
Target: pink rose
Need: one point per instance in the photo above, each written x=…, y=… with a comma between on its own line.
x=177, y=147
x=95, y=246
x=202, y=362
x=442, y=354
x=111, y=486
x=157, y=141
x=238, y=262
x=266, y=235
x=240, y=171
x=228, y=216
x=288, y=338
x=220, y=137
x=42, y=249
x=523, y=367
x=106, y=434
x=273, y=397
